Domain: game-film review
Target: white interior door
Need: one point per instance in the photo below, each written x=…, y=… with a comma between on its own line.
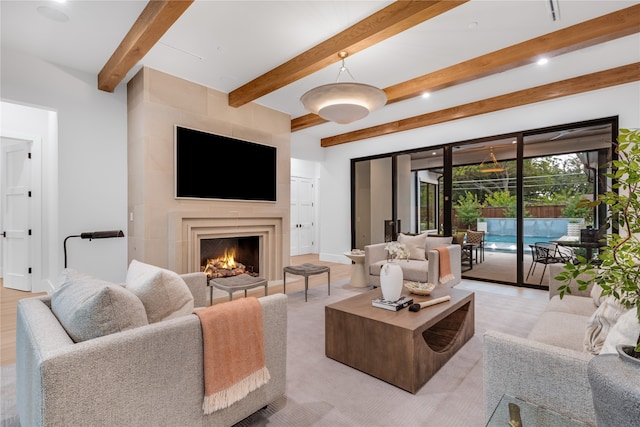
x=16, y=180
x=302, y=222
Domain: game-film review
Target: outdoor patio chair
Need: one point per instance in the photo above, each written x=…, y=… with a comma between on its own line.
x=547, y=253
x=477, y=237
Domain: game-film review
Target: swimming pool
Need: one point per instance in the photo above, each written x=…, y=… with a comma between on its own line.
x=501, y=232
x=508, y=243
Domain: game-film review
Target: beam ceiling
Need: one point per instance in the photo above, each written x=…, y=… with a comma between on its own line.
x=156, y=18
x=599, y=30
x=603, y=79
x=392, y=20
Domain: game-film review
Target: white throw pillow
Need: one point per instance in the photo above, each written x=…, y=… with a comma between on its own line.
x=164, y=293
x=601, y=323
x=415, y=245
x=625, y=331
x=436, y=241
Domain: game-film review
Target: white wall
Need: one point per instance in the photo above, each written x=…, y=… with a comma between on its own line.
x=623, y=101
x=92, y=159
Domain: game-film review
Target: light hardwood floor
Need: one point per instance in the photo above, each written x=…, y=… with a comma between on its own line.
x=9, y=299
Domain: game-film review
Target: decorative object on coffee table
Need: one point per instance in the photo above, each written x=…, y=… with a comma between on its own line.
x=391, y=273
x=419, y=288
x=397, y=305
x=307, y=269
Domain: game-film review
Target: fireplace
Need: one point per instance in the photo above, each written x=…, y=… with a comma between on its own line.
x=265, y=227
x=230, y=256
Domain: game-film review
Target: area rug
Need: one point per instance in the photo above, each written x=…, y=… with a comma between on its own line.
x=323, y=392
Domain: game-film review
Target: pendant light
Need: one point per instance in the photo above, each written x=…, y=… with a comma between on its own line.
x=494, y=166
x=343, y=102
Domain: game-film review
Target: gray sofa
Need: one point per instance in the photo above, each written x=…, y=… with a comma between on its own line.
x=148, y=376
x=426, y=270
x=549, y=366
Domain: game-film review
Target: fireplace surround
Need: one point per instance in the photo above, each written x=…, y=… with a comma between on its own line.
x=187, y=230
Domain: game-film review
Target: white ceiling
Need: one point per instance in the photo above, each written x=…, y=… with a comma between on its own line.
x=225, y=44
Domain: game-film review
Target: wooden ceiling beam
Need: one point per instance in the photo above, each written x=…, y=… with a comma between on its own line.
x=603, y=79
x=156, y=18
x=393, y=19
x=589, y=33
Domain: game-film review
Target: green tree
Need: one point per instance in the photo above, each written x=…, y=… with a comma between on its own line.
x=503, y=199
x=577, y=208
x=469, y=209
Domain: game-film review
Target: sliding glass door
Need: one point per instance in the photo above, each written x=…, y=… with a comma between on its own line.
x=484, y=198
x=502, y=197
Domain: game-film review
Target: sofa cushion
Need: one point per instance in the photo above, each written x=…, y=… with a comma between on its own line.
x=569, y=336
x=625, y=331
x=163, y=292
x=88, y=307
x=582, y=306
x=416, y=271
x=436, y=241
x=415, y=245
x=600, y=323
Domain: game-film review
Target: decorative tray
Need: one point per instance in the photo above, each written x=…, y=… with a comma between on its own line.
x=419, y=288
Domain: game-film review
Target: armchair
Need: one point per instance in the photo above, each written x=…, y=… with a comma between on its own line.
x=423, y=265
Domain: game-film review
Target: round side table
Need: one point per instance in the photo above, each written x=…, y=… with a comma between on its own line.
x=358, y=278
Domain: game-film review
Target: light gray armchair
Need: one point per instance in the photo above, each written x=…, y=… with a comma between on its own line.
x=150, y=375
x=418, y=270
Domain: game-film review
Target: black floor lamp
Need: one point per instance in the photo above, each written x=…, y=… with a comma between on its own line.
x=92, y=235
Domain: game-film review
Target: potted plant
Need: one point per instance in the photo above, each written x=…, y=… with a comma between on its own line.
x=617, y=270
x=613, y=378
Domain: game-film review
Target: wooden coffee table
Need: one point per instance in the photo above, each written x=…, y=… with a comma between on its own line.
x=403, y=348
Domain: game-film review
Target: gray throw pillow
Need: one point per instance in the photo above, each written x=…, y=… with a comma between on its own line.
x=88, y=307
x=164, y=293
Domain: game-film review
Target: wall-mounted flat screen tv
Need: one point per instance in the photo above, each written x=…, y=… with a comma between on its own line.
x=209, y=166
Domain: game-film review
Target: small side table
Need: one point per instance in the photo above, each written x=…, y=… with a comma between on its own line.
x=241, y=282
x=306, y=270
x=358, y=277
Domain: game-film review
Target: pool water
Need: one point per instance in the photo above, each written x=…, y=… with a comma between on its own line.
x=508, y=243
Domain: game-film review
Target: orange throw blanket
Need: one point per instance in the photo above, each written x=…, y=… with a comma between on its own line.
x=445, y=264
x=233, y=346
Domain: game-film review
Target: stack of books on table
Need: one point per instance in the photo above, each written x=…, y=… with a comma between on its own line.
x=392, y=305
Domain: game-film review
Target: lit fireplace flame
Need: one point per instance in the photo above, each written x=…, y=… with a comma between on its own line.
x=228, y=259
x=225, y=265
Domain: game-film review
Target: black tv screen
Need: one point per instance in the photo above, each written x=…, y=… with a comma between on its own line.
x=209, y=166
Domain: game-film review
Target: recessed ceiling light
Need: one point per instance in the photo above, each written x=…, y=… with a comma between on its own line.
x=53, y=14
x=426, y=95
x=542, y=61
x=473, y=25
